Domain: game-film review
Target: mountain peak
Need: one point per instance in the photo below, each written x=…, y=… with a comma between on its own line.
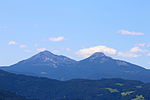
x=43, y=54
x=47, y=58
x=98, y=54
x=98, y=57
x=46, y=52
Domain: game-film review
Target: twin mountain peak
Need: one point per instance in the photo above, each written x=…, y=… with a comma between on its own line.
x=46, y=57
x=48, y=54
x=98, y=65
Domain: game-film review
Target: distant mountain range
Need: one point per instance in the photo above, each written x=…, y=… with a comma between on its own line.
x=75, y=89
x=97, y=66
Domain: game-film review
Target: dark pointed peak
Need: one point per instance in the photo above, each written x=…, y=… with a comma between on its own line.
x=43, y=55
x=98, y=54
x=46, y=52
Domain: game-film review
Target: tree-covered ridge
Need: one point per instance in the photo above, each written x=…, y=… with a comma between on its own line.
x=6, y=95
x=76, y=89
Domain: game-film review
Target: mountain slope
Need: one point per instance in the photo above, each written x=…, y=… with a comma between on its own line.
x=47, y=58
x=45, y=64
x=76, y=89
x=101, y=66
x=6, y=95
x=28, y=86
x=97, y=66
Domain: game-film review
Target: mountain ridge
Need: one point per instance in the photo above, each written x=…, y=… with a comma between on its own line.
x=97, y=66
x=48, y=57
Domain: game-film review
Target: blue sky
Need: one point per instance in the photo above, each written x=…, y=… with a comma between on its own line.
x=75, y=28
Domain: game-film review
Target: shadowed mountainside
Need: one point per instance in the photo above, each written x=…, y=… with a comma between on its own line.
x=6, y=95
x=50, y=89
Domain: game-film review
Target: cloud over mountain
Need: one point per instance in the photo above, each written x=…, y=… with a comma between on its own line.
x=40, y=49
x=89, y=51
x=128, y=54
x=136, y=49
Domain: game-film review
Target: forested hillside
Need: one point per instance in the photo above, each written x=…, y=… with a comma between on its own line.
x=49, y=89
x=6, y=95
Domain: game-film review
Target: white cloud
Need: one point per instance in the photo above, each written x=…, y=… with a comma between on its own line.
x=126, y=32
x=148, y=54
x=23, y=46
x=136, y=49
x=55, y=51
x=56, y=39
x=28, y=51
x=41, y=49
x=12, y=43
x=132, y=53
x=143, y=44
x=128, y=54
x=68, y=49
x=89, y=51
